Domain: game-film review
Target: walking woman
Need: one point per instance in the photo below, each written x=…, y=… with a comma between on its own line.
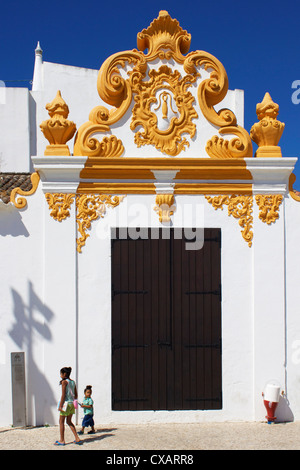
x=66, y=405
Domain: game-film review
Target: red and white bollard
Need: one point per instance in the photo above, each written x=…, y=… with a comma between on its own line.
x=271, y=398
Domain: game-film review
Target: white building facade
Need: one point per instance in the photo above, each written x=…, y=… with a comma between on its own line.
x=186, y=313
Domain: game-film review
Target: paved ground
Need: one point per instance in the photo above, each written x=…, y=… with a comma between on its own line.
x=207, y=436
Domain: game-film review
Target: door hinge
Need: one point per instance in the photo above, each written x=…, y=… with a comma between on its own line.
x=202, y=292
x=120, y=292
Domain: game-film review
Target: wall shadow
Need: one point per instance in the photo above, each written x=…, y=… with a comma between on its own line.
x=32, y=321
x=283, y=412
x=11, y=222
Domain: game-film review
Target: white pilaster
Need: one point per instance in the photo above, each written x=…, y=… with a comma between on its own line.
x=269, y=327
x=60, y=296
x=60, y=174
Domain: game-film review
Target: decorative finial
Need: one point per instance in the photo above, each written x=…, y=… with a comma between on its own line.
x=267, y=108
x=38, y=50
x=58, y=130
x=164, y=33
x=267, y=132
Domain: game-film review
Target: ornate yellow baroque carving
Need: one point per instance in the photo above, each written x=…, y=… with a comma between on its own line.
x=90, y=207
x=238, y=147
x=269, y=207
x=267, y=132
x=164, y=207
x=59, y=204
x=164, y=38
x=240, y=207
x=163, y=106
x=58, y=130
x=21, y=202
x=85, y=144
x=168, y=91
x=212, y=91
x=115, y=91
x=294, y=194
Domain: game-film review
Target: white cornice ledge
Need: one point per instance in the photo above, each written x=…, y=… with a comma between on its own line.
x=270, y=175
x=59, y=174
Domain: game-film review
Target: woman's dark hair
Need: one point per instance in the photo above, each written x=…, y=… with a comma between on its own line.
x=88, y=387
x=67, y=371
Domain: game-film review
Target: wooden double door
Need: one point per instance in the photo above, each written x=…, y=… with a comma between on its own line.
x=166, y=323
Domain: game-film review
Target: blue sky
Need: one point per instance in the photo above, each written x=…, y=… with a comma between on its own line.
x=258, y=43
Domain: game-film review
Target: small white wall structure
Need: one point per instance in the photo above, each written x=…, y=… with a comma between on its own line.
x=153, y=140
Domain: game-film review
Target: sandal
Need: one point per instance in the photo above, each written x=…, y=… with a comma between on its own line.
x=79, y=443
x=57, y=443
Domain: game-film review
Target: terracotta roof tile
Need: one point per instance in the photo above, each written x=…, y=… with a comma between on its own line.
x=9, y=181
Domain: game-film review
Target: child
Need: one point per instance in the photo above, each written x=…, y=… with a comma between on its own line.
x=87, y=404
x=68, y=394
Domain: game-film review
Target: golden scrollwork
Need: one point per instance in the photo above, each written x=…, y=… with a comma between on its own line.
x=269, y=207
x=164, y=207
x=21, y=202
x=212, y=91
x=240, y=207
x=164, y=130
x=58, y=129
x=164, y=39
x=91, y=207
x=109, y=147
x=237, y=147
x=267, y=132
x=59, y=205
x=294, y=194
x=115, y=91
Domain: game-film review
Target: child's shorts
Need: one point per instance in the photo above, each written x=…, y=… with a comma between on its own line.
x=88, y=421
x=69, y=411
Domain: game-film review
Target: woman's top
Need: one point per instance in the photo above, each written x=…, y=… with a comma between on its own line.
x=88, y=402
x=70, y=391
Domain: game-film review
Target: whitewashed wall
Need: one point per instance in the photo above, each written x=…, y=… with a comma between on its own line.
x=292, y=307
x=236, y=288
x=22, y=111
x=56, y=303
x=78, y=88
x=43, y=313
x=15, y=148
x=24, y=318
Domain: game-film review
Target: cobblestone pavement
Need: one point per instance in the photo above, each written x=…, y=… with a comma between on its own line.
x=202, y=436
